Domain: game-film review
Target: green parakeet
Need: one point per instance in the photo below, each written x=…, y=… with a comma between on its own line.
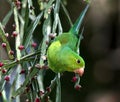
x=62, y=53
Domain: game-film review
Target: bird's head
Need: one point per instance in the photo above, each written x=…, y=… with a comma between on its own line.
x=74, y=62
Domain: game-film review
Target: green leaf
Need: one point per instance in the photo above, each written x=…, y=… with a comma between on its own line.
x=17, y=39
x=58, y=88
x=28, y=78
x=22, y=23
x=7, y=17
x=57, y=6
x=31, y=29
x=2, y=35
x=48, y=6
x=24, y=7
x=60, y=30
x=80, y=38
x=55, y=23
x=47, y=26
x=66, y=14
x=56, y=16
x=24, y=58
x=88, y=1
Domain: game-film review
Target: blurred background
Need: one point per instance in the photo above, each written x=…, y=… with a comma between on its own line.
x=100, y=49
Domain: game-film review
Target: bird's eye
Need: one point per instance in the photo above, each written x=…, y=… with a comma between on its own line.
x=78, y=61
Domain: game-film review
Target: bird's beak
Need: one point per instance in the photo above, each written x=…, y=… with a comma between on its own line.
x=79, y=71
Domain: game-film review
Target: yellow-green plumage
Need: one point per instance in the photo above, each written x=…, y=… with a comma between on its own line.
x=62, y=53
x=63, y=58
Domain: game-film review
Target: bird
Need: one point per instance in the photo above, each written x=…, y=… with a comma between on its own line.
x=62, y=53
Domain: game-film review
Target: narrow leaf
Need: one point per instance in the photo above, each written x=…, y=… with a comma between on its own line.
x=31, y=29
x=7, y=17
x=28, y=78
x=2, y=35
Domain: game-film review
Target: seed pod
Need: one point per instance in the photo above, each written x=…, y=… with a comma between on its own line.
x=21, y=47
x=1, y=64
x=7, y=78
x=4, y=45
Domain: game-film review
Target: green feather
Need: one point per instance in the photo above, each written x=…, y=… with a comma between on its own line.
x=75, y=28
x=61, y=54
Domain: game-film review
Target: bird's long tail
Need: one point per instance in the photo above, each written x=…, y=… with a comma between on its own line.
x=75, y=28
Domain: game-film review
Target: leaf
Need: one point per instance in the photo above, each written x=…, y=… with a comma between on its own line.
x=57, y=6
x=88, y=1
x=22, y=23
x=47, y=26
x=58, y=88
x=28, y=78
x=24, y=7
x=31, y=29
x=49, y=5
x=7, y=17
x=60, y=30
x=66, y=14
x=56, y=16
x=17, y=39
x=2, y=35
x=80, y=38
x=55, y=23
x=24, y=58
